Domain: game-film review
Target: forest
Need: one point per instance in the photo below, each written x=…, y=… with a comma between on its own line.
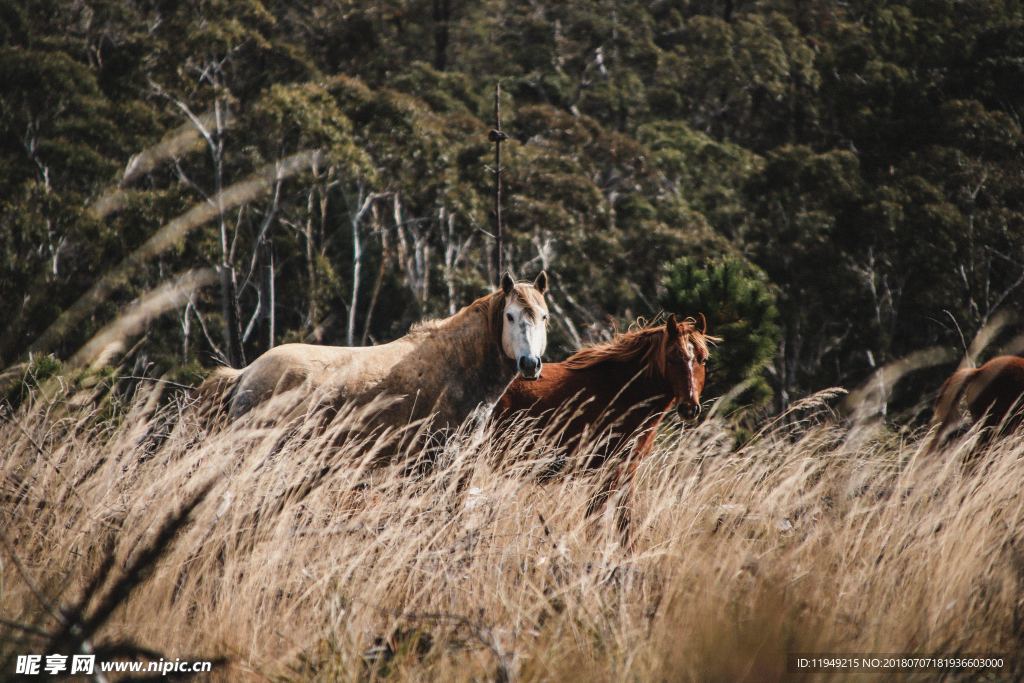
x=834, y=185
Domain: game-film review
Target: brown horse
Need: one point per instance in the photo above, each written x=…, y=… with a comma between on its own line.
x=444, y=368
x=992, y=392
x=618, y=392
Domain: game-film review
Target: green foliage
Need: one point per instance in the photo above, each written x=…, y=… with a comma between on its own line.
x=751, y=80
x=306, y=116
x=18, y=382
x=740, y=306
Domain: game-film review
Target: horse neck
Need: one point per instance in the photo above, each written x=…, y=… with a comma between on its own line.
x=472, y=336
x=622, y=385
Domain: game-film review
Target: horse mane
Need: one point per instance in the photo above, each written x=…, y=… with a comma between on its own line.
x=648, y=344
x=491, y=306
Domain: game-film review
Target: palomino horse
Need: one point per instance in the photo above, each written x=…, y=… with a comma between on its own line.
x=621, y=390
x=444, y=368
x=992, y=392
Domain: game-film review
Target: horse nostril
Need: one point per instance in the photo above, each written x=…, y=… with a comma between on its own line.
x=690, y=411
x=529, y=366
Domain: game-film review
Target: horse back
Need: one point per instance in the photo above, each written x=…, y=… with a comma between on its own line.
x=996, y=389
x=213, y=397
x=291, y=367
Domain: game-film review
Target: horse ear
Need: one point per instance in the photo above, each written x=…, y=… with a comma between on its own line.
x=703, y=324
x=672, y=327
x=507, y=283
x=541, y=283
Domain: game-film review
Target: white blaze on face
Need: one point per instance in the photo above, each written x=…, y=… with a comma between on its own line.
x=524, y=336
x=690, y=353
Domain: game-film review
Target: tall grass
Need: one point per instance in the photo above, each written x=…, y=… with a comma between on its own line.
x=288, y=552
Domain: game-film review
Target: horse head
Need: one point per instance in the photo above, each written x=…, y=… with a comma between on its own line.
x=686, y=355
x=524, y=333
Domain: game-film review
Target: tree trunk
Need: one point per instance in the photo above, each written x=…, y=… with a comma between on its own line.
x=357, y=266
x=442, y=16
x=311, y=271
x=271, y=332
x=229, y=308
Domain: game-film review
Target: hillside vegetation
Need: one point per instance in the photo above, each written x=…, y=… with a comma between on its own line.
x=857, y=164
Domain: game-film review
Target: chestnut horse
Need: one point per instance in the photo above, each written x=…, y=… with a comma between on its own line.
x=445, y=368
x=992, y=393
x=618, y=392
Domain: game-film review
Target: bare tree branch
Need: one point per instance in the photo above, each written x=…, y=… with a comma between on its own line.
x=167, y=237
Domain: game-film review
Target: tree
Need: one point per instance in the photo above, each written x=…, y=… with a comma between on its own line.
x=740, y=307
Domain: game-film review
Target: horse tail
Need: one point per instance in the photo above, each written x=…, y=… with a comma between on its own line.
x=213, y=398
x=946, y=401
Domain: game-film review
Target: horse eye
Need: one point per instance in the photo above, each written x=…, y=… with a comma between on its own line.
x=509, y=316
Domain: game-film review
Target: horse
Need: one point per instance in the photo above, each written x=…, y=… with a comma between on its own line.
x=622, y=390
x=442, y=369
x=992, y=392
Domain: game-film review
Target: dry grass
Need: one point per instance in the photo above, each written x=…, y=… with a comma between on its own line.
x=302, y=563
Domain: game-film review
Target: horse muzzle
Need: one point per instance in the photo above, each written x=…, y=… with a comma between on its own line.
x=688, y=411
x=529, y=367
